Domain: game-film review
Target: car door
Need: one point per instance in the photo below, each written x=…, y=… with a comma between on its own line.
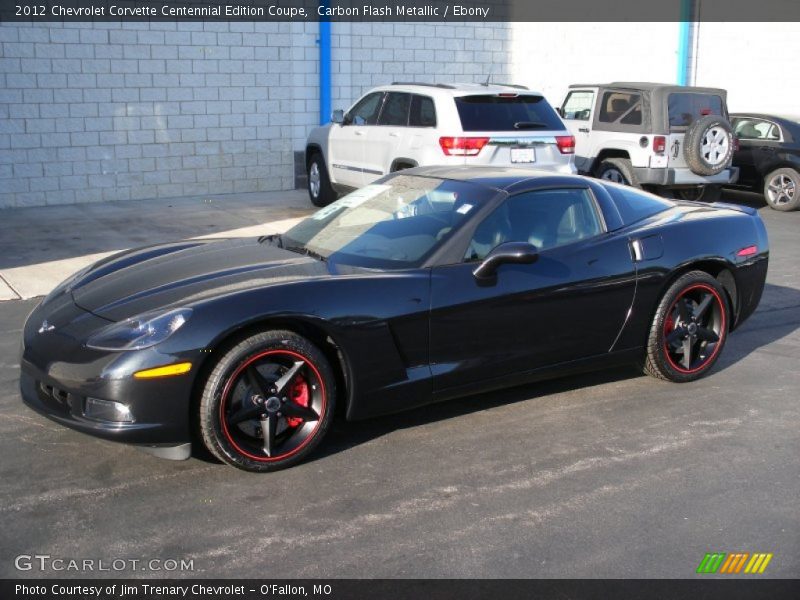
x=577, y=112
x=387, y=136
x=347, y=142
x=569, y=304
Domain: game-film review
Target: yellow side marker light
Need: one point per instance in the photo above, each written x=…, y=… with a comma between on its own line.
x=165, y=371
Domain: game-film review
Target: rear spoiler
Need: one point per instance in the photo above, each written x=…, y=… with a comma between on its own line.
x=737, y=207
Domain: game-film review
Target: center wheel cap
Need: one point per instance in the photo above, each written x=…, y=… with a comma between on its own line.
x=273, y=404
x=692, y=328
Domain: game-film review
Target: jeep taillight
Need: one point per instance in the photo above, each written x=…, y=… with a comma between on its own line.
x=462, y=146
x=659, y=144
x=566, y=144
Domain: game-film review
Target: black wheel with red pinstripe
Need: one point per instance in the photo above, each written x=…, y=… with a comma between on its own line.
x=689, y=329
x=268, y=402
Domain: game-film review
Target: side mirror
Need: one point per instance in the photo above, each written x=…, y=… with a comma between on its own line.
x=337, y=116
x=520, y=253
x=560, y=112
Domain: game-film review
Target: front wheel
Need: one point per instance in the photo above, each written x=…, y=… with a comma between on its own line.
x=782, y=189
x=268, y=402
x=320, y=190
x=689, y=329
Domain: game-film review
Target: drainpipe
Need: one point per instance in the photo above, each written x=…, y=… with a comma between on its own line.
x=324, y=67
x=684, y=41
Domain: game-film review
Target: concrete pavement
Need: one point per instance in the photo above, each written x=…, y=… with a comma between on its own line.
x=39, y=247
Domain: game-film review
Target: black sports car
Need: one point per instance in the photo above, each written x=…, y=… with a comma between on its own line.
x=430, y=284
x=769, y=157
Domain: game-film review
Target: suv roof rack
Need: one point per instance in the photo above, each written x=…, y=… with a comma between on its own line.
x=437, y=85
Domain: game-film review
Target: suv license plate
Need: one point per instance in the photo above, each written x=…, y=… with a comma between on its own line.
x=523, y=155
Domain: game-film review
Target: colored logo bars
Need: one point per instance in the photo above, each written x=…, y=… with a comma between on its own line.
x=733, y=563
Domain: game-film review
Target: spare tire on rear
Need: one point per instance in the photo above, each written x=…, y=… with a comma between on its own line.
x=708, y=145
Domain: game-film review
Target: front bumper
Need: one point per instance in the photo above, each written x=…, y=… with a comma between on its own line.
x=676, y=177
x=58, y=373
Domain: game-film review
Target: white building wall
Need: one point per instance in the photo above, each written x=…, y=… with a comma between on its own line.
x=755, y=62
x=548, y=57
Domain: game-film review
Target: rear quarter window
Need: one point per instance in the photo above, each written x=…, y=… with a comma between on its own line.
x=634, y=205
x=685, y=108
x=512, y=112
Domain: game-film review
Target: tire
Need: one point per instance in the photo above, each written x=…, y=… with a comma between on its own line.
x=704, y=193
x=276, y=382
x=782, y=189
x=320, y=190
x=708, y=145
x=693, y=314
x=617, y=170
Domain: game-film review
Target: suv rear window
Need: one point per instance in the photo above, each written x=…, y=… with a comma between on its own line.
x=488, y=112
x=685, y=107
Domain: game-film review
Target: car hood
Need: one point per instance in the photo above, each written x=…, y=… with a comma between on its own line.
x=167, y=274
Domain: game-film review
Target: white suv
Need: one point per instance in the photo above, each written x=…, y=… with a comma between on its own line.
x=405, y=125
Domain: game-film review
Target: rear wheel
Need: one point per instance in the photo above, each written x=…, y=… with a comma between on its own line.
x=268, y=402
x=689, y=329
x=704, y=193
x=782, y=189
x=320, y=189
x=617, y=170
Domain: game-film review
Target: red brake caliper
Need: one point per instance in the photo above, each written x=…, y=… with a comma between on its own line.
x=299, y=395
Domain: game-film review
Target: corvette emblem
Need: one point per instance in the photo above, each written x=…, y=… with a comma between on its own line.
x=46, y=327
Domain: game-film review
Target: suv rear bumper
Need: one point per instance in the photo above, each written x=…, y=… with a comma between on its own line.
x=648, y=176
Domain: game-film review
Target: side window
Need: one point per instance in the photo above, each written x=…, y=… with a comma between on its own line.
x=423, y=113
x=395, y=109
x=755, y=129
x=621, y=107
x=544, y=218
x=366, y=111
x=578, y=106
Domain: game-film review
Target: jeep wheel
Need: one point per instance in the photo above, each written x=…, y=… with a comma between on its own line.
x=708, y=145
x=618, y=170
x=319, y=185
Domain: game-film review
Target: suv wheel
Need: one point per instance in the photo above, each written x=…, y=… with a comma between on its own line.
x=618, y=170
x=782, y=189
x=319, y=185
x=708, y=145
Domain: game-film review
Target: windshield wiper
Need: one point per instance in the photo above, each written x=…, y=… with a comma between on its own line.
x=529, y=125
x=274, y=237
x=307, y=252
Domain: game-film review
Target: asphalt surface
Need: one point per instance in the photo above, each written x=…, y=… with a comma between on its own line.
x=606, y=475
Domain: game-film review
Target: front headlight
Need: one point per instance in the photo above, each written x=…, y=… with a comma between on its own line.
x=140, y=332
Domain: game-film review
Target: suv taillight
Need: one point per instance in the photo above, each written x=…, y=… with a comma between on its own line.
x=659, y=144
x=566, y=144
x=462, y=146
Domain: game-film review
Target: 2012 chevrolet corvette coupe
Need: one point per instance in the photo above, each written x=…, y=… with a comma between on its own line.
x=430, y=284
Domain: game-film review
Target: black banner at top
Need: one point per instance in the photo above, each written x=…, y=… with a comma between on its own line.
x=401, y=10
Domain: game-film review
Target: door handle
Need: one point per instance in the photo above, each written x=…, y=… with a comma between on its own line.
x=358, y=132
x=766, y=149
x=394, y=134
x=583, y=129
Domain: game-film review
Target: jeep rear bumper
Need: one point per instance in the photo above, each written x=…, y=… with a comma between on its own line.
x=648, y=176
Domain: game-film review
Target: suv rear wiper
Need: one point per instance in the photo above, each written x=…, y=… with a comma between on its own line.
x=307, y=252
x=530, y=125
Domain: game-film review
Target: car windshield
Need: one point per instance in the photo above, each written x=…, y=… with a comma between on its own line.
x=392, y=224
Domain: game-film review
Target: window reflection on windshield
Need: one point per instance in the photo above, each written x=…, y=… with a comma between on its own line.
x=395, y=224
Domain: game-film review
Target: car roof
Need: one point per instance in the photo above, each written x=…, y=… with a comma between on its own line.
x=495, y=177
x=649, y=86
x=769, y=117
x=456, y=89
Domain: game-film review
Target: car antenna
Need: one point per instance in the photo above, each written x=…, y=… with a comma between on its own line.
x=489, y=76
